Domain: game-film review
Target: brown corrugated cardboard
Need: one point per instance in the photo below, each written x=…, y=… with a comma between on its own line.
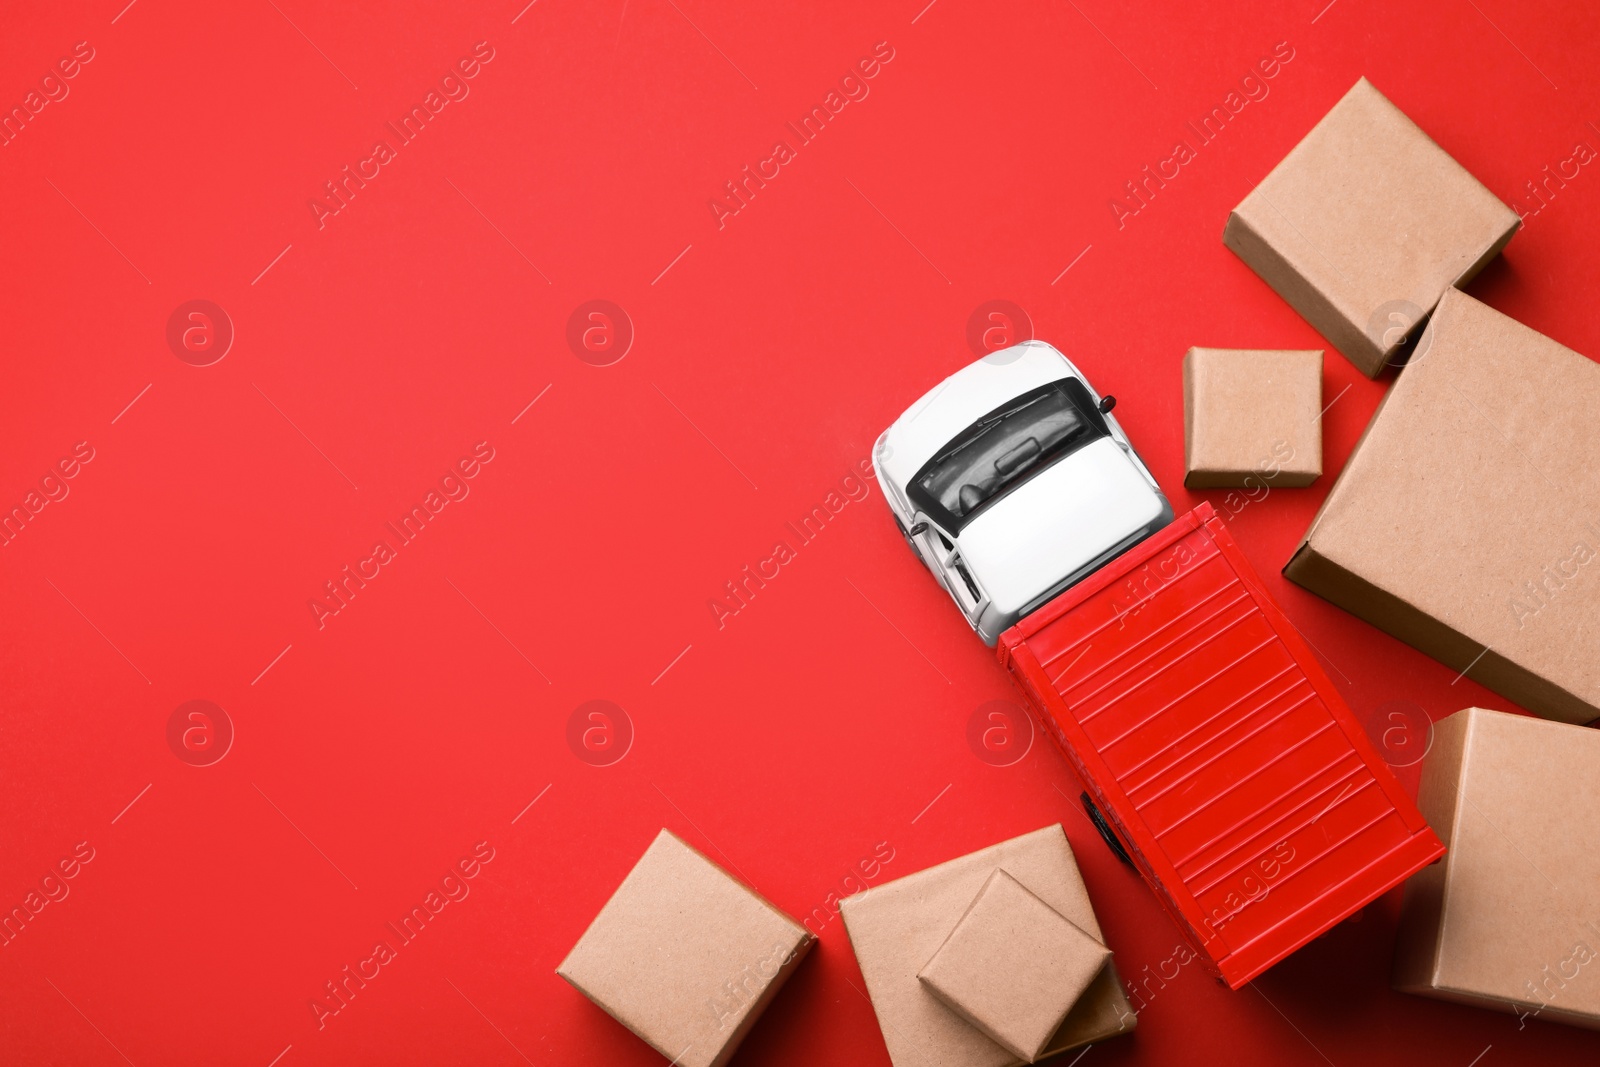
x=896, y=927
x=1364, y=224
x=1014, y=966
x=1467, y=520
x=684, y=955
x=1510, y=919
x=1251, y=417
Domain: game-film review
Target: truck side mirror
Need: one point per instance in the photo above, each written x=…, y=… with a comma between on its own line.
x=1107, y=403
x=918, y=528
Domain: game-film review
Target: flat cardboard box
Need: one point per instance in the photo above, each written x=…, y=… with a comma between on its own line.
x=896, y=927
x=1251, y=417
x=1364, y=225
x=1510, y=919
x=1467, y=520
x=1014, y=966
x=684, y=955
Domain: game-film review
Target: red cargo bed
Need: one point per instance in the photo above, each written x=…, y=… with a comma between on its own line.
x=1231, y=770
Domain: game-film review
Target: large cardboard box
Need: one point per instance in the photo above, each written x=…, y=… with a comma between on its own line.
x=895, y=929
x=1510, y=919
x=685, y=956
x=1467, y=520
x=1364, y=224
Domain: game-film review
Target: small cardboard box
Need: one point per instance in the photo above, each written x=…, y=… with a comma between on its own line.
x=1251, y=417
x=896, y=927
x=1510, y=919
x=1014, y=966
x=1467, y=520
x=684, y=955
x=1364, y=224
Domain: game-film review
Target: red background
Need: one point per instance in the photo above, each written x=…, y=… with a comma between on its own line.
x=826, y=715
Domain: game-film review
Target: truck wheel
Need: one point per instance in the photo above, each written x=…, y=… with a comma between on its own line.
x=1106, y=832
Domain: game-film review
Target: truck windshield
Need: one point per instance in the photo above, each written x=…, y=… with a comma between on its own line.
x=1004, y=448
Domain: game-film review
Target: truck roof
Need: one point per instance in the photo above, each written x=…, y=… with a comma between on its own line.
x=966, y=396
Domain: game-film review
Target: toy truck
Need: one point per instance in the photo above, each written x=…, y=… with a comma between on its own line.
x=1216, y=755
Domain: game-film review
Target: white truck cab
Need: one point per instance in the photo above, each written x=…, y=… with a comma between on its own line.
x=1011, y=481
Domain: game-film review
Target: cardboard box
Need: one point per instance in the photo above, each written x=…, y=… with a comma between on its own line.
x=1014, y=966
x=896, y=927
x=684, y=955
x=1251, y=417
x=1365, y=224
x=1510, y=919
x=1467, y=520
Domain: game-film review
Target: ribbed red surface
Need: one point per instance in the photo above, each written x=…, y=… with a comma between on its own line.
x=1218, y=748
